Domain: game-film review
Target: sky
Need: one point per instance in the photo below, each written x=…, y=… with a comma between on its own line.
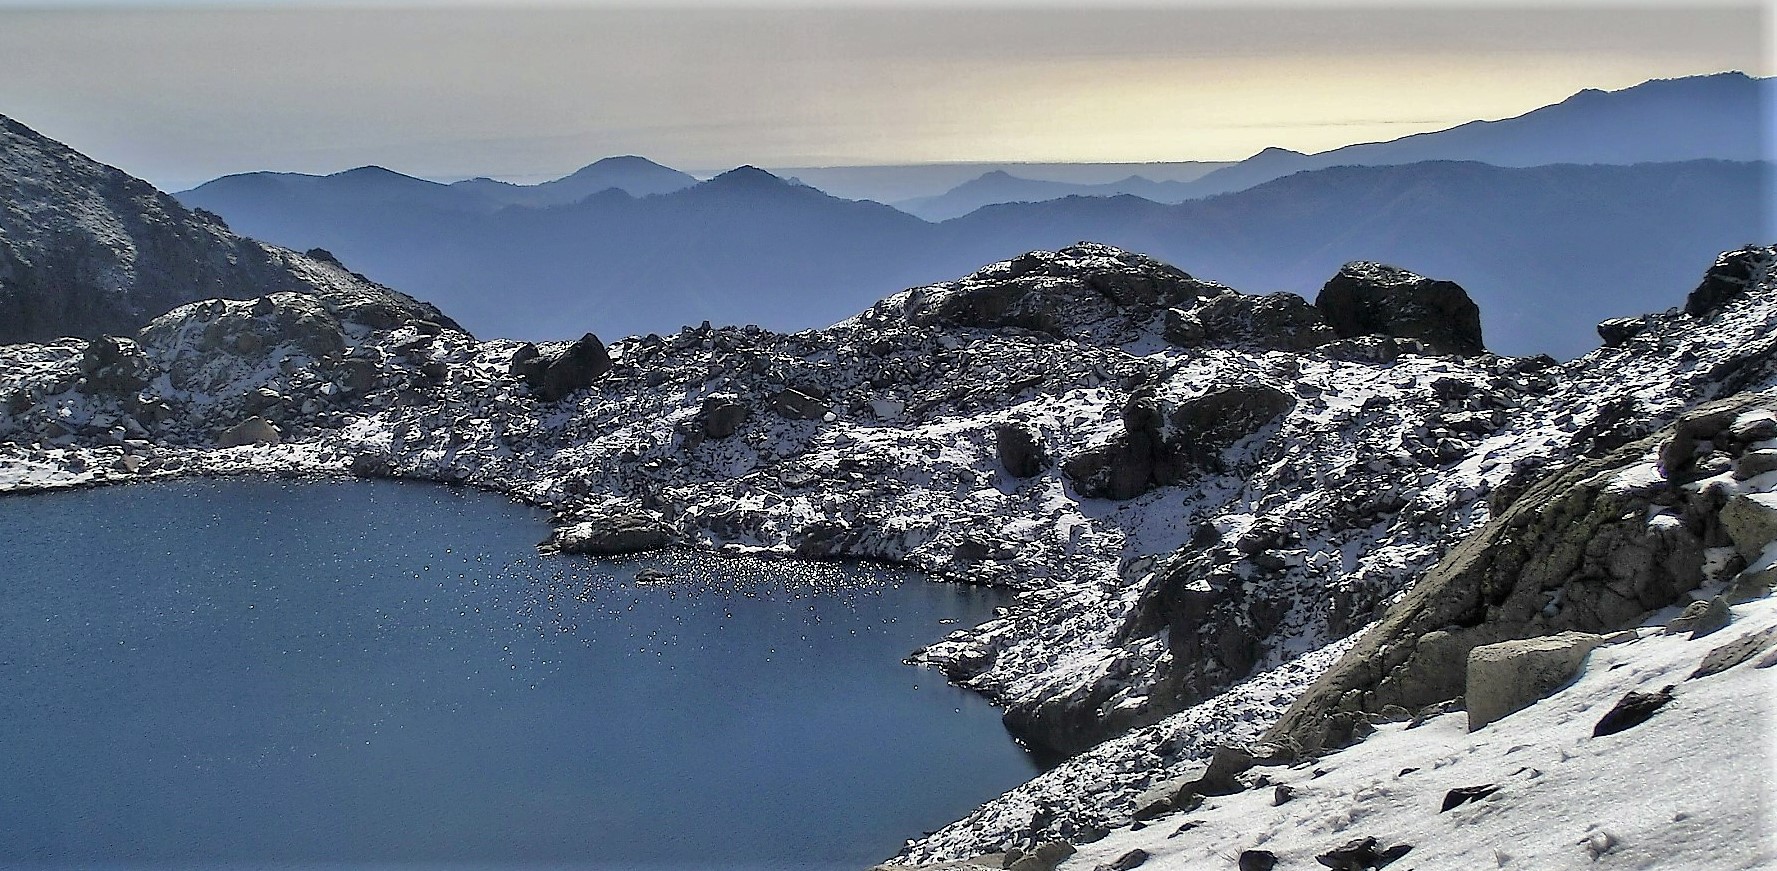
x=181, y=92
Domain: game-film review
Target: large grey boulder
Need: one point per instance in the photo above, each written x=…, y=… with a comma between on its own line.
x=1510, y=676
x=1044, y=857
x=1019, y=450
x=252, y=431
x=797, y=405
x=721, y=416
x=1750, y=520
x=1374, y=299
x=612, y=533
x=114, y=366
x=554, y=375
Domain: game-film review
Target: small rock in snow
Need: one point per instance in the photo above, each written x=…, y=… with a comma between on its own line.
x=1633, y=710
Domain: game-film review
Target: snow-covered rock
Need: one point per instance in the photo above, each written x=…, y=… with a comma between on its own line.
x=1688, y=787
x=1509, y=676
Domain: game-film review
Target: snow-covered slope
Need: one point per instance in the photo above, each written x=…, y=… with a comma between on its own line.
x=1196, y=489
x=1688, y=789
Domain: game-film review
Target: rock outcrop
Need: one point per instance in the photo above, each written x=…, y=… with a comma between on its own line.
x=1374, y=299
x=555, y=374
x=1592, y=549
x=1162, y=443
x=1063, y=293
x=1731, y=276
x=86, y=250
x=613, y=532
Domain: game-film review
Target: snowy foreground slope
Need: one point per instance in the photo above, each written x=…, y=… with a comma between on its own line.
x=1691, y=788
x=1202, y=494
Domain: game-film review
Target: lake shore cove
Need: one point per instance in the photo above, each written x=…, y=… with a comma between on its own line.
x=1204, y=496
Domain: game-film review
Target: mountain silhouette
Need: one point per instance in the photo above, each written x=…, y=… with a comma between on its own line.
x=1693, y=118
x=749, y=247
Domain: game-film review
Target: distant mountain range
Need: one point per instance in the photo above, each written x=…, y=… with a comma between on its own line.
x=267, y=194
x=894, y=184
x=1546, y=251
x=1694, y=118
x=628, y=246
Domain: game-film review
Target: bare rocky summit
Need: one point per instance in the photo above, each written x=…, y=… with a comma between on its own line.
x=87, y=250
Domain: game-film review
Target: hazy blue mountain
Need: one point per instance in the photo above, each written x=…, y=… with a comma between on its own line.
x=636, y=176
x=260, y=197
x=1003, y=187
x=1694, y=118
x=1547, y=251
x=744, y=247
x=1717, y=116
x=897, y=183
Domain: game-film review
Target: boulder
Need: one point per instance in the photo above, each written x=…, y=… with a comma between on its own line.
x=722, y=416
x=1616, y=331
x=1735, y=652
x=1701, y=618
x=611, y=533
x=1044, y=857
x=1256, y=860
x=1679, y=453
x=1376, y=299
x=1276, y=321
x=252, y=431
x=1160, y=447
x=1727, y=280
x=1631, y=711
x=1754, y=464
x=554, y=375
x=1019, y=451
x=1128, y=861
x=1464, y=794
x=1510, y=676
x=1361, y=855
x=114, y=366
x=1750, y=520
x=797, y=405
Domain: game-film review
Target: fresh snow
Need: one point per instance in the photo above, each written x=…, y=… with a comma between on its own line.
x=1692, y=788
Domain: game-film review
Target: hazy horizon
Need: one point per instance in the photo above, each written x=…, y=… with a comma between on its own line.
x=181, y=93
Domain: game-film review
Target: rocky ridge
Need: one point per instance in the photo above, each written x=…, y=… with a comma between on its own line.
x=87, y=250
x=1205, y=492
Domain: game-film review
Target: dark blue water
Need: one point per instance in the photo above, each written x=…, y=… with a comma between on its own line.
x=255, y=673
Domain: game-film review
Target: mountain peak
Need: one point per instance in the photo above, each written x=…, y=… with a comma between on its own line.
x=625, y=162
x=369, y=171
x=747, y=176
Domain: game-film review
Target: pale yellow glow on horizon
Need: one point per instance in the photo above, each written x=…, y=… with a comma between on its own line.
x=179, y=96
x=1229, y=109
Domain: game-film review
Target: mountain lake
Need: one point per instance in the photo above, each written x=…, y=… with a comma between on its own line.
x=262, y=673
